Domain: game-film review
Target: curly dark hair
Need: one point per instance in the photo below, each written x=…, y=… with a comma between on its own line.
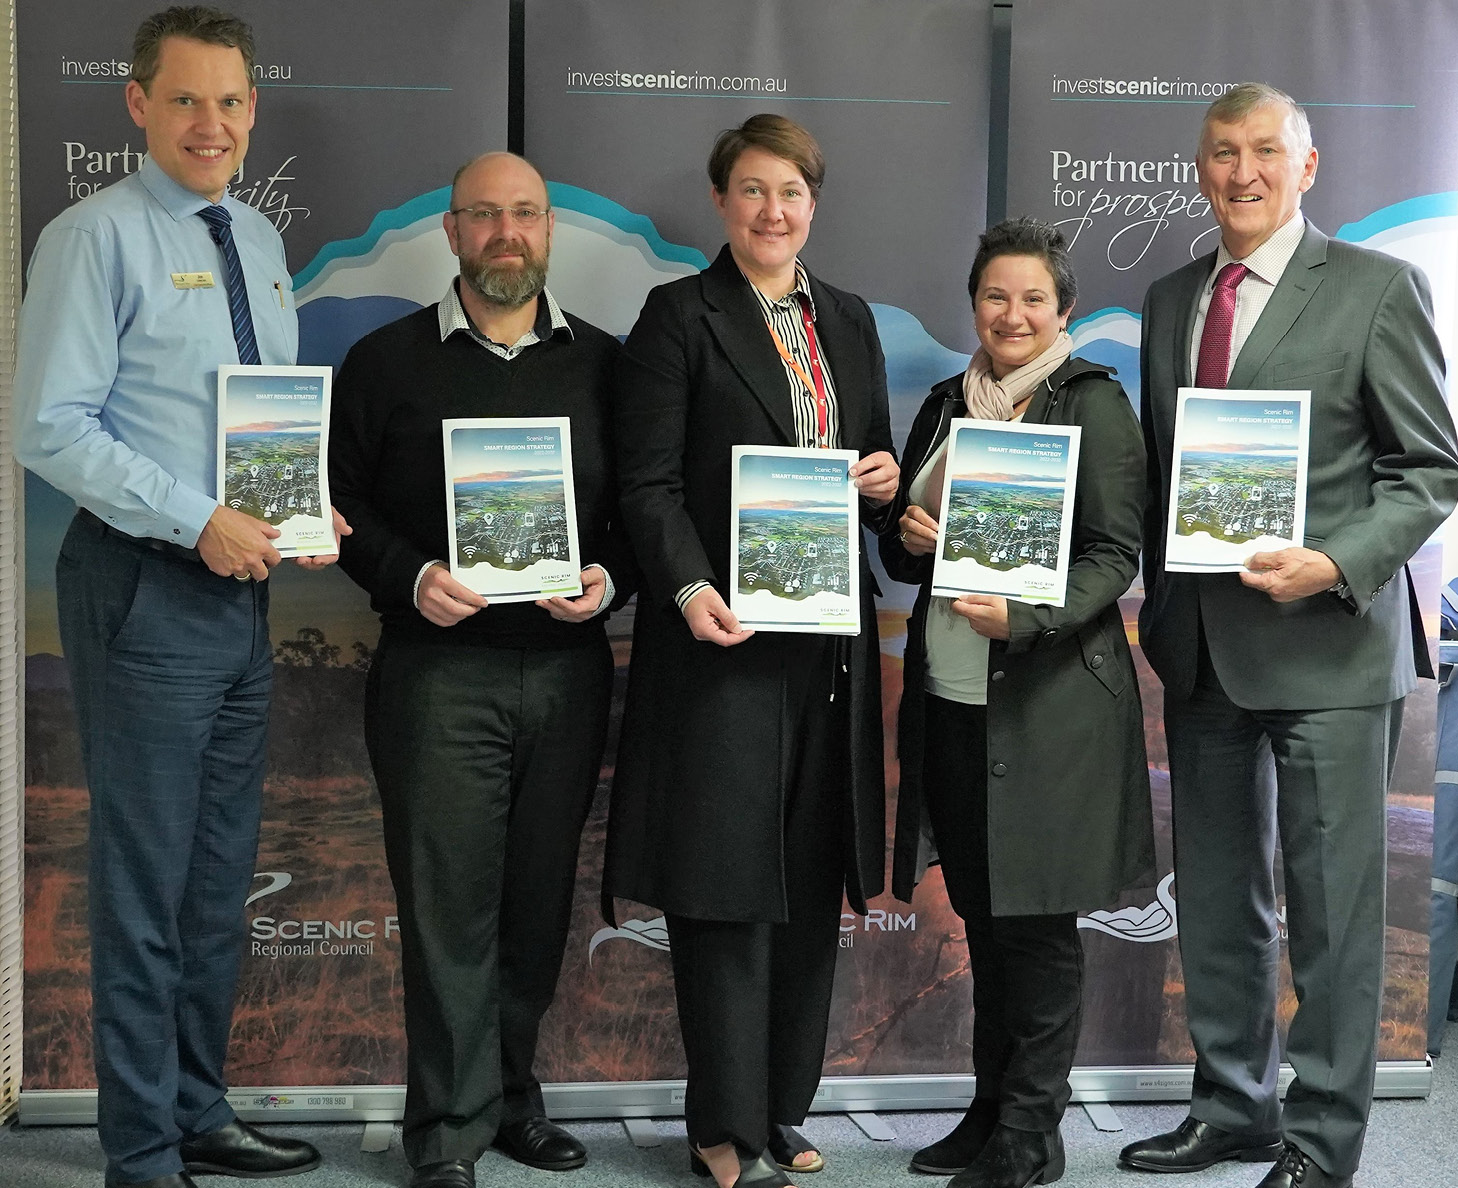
x=1027, y=236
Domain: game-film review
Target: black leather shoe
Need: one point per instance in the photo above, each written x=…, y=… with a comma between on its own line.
x=175, y=1180
x=1194, y=1145
x=238, y=1149
x=1014, y=1159
x=948, y=1156
x=453, y=1173
x=540, y=1143
x=1296, y=1169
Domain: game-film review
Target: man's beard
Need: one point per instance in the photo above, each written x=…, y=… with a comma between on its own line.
x=509, y=285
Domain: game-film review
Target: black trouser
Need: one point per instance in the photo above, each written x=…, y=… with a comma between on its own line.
x=754, y=998
x=486, y=760
x=1027, y=971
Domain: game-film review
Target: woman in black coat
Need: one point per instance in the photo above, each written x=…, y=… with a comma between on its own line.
x=749, y=789
x=1021, y=732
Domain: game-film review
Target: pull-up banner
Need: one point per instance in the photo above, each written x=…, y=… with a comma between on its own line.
x=623, y=100
x=1107, y=98
x=364, y=112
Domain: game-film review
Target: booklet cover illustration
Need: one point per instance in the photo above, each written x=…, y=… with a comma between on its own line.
x=796, y=540
x=513, y=518
x=1007, y=517
x=273, y=449
x=1239, y=483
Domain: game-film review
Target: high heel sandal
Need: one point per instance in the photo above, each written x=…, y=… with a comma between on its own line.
x=758, y=1171
x=785, y=1142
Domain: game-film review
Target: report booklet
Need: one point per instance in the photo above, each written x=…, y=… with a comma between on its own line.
x=1007, y=511
x=795, y=540
x=512, y=515
x=273, y=452
x=1239, y=477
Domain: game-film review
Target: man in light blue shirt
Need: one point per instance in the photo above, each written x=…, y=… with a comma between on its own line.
x=135, y=296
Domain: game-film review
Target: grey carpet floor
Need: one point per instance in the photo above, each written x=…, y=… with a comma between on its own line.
x=1410, y=1144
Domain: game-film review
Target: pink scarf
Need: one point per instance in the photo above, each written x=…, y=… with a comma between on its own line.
x=996, y=400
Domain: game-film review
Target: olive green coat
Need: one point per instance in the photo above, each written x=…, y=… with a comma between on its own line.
x=1069, y=820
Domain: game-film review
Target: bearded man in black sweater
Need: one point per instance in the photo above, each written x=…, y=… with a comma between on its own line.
x=485, y=723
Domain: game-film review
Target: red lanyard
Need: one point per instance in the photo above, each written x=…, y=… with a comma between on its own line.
x=822, y=402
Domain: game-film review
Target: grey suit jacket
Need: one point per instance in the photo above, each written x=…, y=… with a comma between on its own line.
x=1355, y=327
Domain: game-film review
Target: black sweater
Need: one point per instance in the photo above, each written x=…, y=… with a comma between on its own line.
x=387, y=464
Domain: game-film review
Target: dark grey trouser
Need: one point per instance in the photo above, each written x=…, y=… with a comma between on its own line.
x=1317, y=781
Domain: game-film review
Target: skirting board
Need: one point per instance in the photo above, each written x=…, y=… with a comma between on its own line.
x=664, y=1099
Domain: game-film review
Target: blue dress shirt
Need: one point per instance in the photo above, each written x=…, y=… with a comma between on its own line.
x=117, y=378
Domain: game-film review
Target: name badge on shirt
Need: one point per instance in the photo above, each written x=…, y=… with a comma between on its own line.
x=192, y=280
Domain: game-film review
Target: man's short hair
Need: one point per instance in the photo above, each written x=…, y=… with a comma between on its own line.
x=1244, y=98
x=196, y=23
x=776, y=135
x=1027, y=236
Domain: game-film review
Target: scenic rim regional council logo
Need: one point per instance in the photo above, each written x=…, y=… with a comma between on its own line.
x=274, y=937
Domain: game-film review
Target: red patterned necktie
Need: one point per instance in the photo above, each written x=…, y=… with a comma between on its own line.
x=1213, y=365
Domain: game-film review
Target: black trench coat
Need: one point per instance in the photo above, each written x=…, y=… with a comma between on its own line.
x=1069, y=820
x=695, y=826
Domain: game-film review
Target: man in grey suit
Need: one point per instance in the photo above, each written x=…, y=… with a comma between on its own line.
x=1284, y=683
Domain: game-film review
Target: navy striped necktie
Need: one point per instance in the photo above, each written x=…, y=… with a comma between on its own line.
x=220, y=225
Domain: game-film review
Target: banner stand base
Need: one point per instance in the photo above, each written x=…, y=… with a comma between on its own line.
x=664, y=1099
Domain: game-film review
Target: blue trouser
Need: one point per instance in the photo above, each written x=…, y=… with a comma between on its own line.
x=171, y=672
x=1443, y=929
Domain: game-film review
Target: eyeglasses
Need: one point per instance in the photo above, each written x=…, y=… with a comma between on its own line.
x=491, y=216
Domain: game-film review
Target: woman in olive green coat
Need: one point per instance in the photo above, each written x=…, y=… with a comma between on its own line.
x=1021, y=732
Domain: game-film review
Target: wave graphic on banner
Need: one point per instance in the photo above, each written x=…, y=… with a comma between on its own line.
x=1422, y=231
x=605, y=259
x=652, y=933
x=1157, y=921
x=1154, y=922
